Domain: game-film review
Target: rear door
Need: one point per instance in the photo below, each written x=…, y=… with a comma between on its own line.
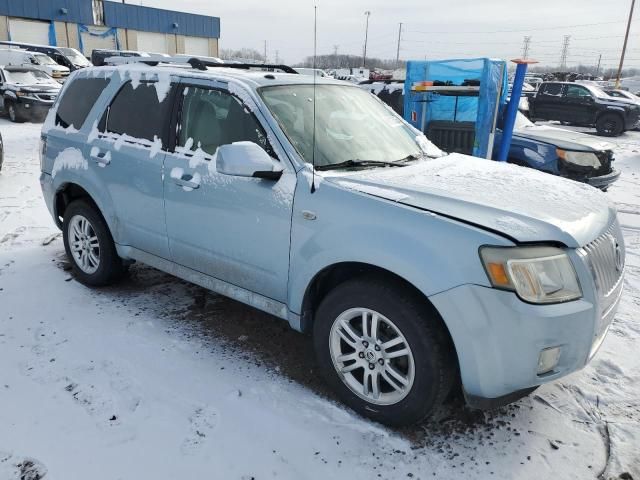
x=127, y=148
x=548, y=103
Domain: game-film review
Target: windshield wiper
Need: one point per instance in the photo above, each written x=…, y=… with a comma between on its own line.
x=410, y=157
x=357, y=163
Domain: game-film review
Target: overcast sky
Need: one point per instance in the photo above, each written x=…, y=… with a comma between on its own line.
x=442, y=29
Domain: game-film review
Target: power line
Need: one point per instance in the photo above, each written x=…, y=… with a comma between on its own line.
x=529, y=29
x=565, y=49
x=525, y=46
x=398, y=51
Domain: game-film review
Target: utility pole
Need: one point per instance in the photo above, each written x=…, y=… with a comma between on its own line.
x=525, y=47
x=398, y=52
x=624, y=46
x=565, y=50
x=598, y=67
x=366, y=35
x=265, y=52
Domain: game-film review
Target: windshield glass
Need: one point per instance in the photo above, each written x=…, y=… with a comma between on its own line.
x=75, y=56
x=597, y=91
x=351, y=124
x=28, y=77
x=44, y=60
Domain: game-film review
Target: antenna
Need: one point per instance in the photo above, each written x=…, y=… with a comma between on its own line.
x=313, y=153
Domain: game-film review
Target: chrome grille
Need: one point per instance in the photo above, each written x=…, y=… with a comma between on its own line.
x=606, y=259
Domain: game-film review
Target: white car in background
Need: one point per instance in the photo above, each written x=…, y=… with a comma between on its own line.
x=23, y=58
x=618, y=93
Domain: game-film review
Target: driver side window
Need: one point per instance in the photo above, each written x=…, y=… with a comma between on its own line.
x=211, y=118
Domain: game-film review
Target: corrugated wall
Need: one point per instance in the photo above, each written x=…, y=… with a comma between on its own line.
x=161, y=21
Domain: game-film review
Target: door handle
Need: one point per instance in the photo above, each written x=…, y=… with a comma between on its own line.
x=101, y=158
x=186, y=180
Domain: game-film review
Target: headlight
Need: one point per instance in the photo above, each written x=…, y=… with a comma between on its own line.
x=536, y=274
x=583, y=159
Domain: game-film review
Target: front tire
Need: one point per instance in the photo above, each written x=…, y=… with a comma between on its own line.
x=89, y=245
x=383, y=350
x=610, y=125
x=12, y=113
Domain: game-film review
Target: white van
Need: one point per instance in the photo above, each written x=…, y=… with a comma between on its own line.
x=23, y=58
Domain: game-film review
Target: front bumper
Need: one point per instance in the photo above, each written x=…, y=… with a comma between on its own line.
x=46, y=184
x=604, y=181
x=499, y=338
x=33, y=109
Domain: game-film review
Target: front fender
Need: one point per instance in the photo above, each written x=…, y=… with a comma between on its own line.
x=431, y=252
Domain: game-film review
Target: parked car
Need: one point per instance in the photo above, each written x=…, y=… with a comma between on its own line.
x=23, y=58
x=617, y=93
x=26, y=93
x=412, y=269
x=584, y=105
x=578, y=156
x=553, y=150
x=65, y=56
x=98, y=56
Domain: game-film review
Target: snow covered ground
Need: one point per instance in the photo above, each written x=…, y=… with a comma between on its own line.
x=158, y=379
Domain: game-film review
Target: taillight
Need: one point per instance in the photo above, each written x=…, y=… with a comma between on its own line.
x=43, y=151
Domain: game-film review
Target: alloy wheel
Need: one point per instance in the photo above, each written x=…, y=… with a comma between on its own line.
x=84, y=244
x=372, y=356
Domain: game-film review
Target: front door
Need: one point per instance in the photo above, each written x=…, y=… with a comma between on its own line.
x=126, y=151
x=579, y=104
x=236, y=229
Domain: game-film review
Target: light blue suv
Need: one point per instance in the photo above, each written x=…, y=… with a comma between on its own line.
x=318, y=204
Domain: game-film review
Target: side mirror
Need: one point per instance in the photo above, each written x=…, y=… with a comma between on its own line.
x=246, y=159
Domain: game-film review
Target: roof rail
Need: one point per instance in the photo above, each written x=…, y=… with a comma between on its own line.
x=197, y=63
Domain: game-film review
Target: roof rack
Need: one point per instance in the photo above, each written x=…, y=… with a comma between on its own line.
x=197, y=63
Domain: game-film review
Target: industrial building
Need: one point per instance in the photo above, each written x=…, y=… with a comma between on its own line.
x=90, y=24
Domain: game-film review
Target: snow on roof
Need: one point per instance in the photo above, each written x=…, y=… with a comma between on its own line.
x=254, y=78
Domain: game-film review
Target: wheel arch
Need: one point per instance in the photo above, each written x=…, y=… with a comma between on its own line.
x=67, y=193
x=333, y=275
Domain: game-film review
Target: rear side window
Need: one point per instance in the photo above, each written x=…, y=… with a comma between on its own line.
x=78, y=98
x=137, y=112
x=552, y=89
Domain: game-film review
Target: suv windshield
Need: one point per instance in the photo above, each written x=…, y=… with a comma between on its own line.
x=75, y=57
x=350, y=124
x=28, y=77
x=42, y=59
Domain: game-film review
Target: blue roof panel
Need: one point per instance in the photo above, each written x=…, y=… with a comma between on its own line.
x=157, y=20
x=76, y=11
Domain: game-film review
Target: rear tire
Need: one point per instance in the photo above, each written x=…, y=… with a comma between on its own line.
x=89, y=245
x=609, y=125
x=427, y=370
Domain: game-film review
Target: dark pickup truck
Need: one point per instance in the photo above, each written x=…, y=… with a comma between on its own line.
x=584, y=105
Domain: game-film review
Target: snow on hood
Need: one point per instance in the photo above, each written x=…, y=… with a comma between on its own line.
x=525, y=204
x=565, y=139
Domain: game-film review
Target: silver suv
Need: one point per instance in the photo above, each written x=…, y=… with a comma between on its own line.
x=309, y=199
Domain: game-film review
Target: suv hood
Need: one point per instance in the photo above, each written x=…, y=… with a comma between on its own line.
x=521, y=203
x=565, y=139
x=35, y=87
